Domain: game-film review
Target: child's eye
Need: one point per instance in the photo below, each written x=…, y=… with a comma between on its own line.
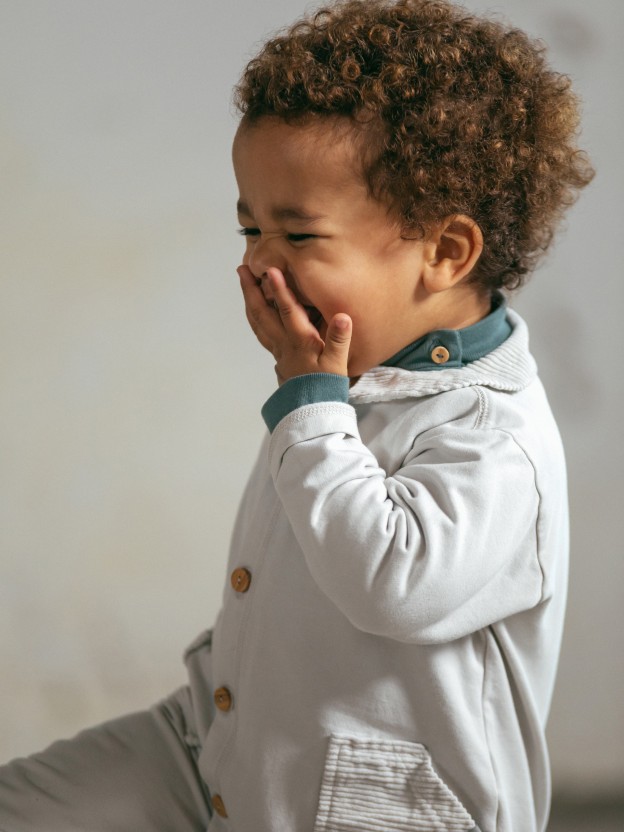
x=299, y=238
x=292, y=238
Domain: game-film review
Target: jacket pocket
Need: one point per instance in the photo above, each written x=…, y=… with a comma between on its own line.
x=385, y=786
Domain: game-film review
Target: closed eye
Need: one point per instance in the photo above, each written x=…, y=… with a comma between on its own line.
x=246, y=231
x=299, y=238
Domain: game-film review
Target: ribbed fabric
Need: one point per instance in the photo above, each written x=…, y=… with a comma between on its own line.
x=509, y=367
x=463, y=345
x=302, y=390
x=381, y=785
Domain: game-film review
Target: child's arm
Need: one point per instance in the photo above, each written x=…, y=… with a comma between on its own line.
x=444, y=546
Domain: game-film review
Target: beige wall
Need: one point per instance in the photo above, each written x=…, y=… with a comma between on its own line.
x=131, y=387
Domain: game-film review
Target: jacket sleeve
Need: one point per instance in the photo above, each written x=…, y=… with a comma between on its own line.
x=444, y=546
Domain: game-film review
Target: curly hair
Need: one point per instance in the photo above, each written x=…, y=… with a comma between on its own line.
x=460, y=115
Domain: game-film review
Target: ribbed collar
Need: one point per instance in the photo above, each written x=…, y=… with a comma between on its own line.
x=509, y=367
x=447, y=348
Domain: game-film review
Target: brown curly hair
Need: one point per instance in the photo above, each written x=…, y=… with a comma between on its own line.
x=459, y=115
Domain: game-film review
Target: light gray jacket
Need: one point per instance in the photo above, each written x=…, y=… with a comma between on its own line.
x=391, y=664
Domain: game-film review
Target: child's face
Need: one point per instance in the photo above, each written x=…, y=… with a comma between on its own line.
x=305, y=210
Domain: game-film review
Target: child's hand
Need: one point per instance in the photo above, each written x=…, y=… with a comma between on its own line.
x=284, y=329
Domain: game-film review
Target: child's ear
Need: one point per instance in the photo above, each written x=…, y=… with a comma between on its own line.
x=453, y=248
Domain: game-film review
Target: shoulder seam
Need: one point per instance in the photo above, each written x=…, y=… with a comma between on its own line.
x=538, y=543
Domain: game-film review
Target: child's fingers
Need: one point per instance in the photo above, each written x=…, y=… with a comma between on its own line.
x=337, y=342
x=292, y=314
x=281, y=325
x=263, y=320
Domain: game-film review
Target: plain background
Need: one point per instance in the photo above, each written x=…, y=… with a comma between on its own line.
x=131, y=387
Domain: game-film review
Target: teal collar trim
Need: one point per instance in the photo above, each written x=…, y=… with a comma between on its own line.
x=446, y=348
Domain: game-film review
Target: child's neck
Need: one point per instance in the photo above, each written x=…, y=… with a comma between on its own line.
x=458, y=308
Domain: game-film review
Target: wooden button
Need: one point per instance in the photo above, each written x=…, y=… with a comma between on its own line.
x=219, y=806
x=223, y=699
x=241, y=579
x=440, y=355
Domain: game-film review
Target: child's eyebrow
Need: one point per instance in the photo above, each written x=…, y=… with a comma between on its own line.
x=282, y=212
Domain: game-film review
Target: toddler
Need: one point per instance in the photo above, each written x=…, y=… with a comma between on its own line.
x=385, y=654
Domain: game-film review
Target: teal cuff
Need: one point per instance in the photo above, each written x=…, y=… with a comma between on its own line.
x=302, y=390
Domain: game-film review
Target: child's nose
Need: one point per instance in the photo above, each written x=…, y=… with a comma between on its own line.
x=265, y=254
